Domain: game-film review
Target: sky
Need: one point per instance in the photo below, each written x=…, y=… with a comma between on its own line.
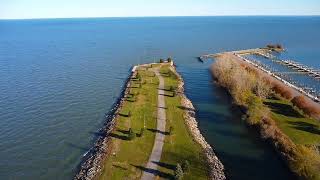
x=26, y=9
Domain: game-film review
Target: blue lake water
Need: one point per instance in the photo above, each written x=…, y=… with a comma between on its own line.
x=59, y=77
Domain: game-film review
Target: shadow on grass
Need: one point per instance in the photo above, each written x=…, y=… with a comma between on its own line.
x=154, y=172
x=165, y=165
x=167, y=95
x=165, y=89
x=122, y=137
x=158, y=131
x=186, y=108
x=304, y=126
x=123, y=131
x=283, y=109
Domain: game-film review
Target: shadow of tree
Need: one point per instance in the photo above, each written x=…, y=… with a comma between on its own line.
x=167, y=95
x=304, y=126
x=165, y=165
x=154, y=172
x=186, y=108
x=283, y=109
x=158, y=131
x=123, y=131
x=122, y=137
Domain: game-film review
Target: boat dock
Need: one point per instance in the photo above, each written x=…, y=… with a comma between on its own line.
x=302, y=68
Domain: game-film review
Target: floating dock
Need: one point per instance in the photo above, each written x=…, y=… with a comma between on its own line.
x=302, y=68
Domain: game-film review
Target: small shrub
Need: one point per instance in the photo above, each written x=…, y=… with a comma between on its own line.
x=283, y=90
x=178, y=173
x=169, y=59
x=161, y=61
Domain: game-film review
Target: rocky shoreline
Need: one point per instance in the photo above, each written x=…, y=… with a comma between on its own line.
x=91, y=165
x=216, y=171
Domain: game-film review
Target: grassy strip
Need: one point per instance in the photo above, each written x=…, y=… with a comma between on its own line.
x=179, y=146
x=128, y=157
x=300, y=129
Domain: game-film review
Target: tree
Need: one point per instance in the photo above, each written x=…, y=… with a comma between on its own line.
x=161, y=60
x=185, y=166
x=169, y=59
x=131, y=135
x=178, y=173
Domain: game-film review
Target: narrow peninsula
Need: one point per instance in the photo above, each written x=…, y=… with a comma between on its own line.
x=152, y=133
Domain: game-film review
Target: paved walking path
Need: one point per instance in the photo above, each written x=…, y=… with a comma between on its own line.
x=151, y=169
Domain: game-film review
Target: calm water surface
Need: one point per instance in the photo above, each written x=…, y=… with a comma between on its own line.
x=59, y=77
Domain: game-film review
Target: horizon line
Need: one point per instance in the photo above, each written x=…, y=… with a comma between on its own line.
x=270, y=15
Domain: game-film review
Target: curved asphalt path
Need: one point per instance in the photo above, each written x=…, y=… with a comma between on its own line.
x=150, y=170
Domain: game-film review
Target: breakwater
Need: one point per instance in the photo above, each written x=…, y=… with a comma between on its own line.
x=91, y=165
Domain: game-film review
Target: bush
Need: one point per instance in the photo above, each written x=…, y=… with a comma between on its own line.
x=169, y=59
x=178, y=173
x=131, y=134
x=185, y=166
x=161, y=61
x=283, y=90
x=256, y=110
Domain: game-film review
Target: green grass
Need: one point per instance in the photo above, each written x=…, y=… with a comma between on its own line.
x=180, y=146
x=129, y=155
x=292, y=122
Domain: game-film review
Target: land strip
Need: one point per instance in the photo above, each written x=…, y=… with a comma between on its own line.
x=128, y=145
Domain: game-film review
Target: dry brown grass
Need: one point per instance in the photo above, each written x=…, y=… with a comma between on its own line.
x=306, y=106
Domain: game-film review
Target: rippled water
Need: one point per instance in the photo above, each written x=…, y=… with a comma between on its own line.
x=59, y=77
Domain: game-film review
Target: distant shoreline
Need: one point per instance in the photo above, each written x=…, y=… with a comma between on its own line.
x=145, y=17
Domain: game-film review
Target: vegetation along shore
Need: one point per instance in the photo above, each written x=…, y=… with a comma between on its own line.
x=154, y=133
x=285, y=118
